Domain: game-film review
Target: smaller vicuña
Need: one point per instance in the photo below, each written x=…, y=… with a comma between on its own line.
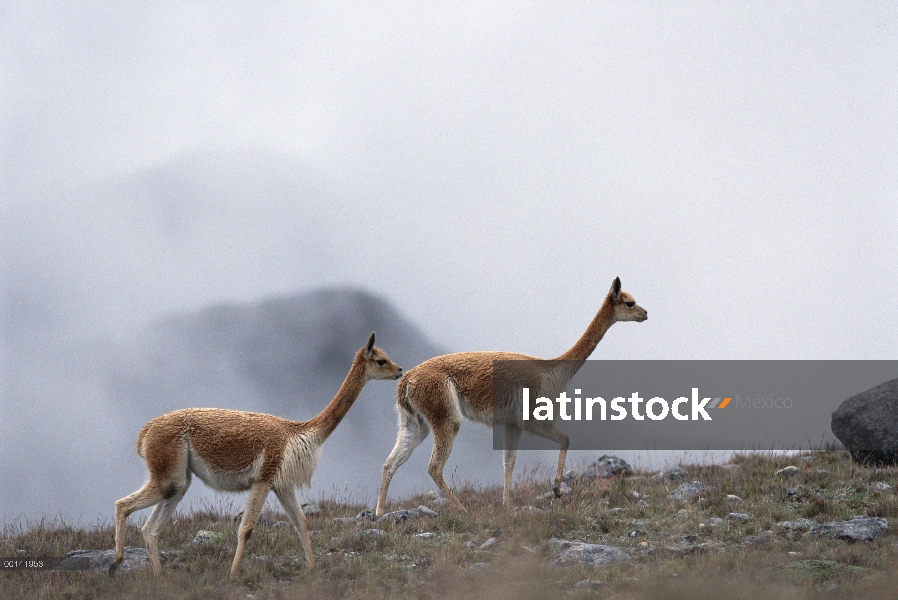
x=235, y=451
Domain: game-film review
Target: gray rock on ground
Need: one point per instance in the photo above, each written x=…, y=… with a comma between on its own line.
x=490, y=544
x=563, y=489
x=672, y=474
x=207, y=537
x=404, y=514
x=607, y=466
x=867, y=424
x=135, y=559
x=789, y=471
x=688, y=491
x=734, y=516
x=372, y=534
x=578, y=553
x=858, y=529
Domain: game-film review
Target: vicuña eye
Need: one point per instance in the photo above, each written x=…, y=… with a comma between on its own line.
x=631, y=304
x=381, y=362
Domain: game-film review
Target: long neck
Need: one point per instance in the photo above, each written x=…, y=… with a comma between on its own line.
x=328, y=419
x=581, y=350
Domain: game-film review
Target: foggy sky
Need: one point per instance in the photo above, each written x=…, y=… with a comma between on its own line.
x=488, y=168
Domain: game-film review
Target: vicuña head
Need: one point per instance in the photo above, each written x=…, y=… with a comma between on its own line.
x=235, y=451
x=438, y=392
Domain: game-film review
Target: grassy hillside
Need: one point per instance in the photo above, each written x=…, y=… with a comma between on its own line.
x=693, y=549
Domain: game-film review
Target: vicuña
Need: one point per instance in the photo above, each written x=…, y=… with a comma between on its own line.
x=235, y=451
x=439, y=392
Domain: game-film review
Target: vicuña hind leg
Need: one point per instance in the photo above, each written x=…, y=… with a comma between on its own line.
x=257, y=495
x=412, y=431
x=443, y=438
x=550, y=432
x=161, y=514
x=148, y=495
x=297, y=518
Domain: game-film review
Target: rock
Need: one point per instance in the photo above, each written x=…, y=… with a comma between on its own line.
x=797, y=526
x=207, y=537
x=715, y=522
x=822, y=472
x=431, y=494
x=798, y=491
x=398, y=516
x=858, y=528
x=372, y=534
x=135, y=559
x=733, y=498
x=564, y=489
x=480, y=567
x=589, y=584
x=789, y=471
x=672, y=474
x=427, y=535
x=867, y=424
x=440, y=502
x=366, y=515
x=607, y=466
x=558, y=545
x=879, y=486
x=617, y=510
x=734, y=516
x=570, y=476
x=490, y=544
x=470, y=545
x=311, y=510
x=591, y=555
x=688, y=491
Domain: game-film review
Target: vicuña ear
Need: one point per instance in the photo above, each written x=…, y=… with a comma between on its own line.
x=615, y=289
x=370, y=346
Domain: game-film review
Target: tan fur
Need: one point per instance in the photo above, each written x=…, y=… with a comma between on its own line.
x=439, y=392
x=233, y=451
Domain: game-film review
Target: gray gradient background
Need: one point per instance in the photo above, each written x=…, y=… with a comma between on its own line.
x=486, y=167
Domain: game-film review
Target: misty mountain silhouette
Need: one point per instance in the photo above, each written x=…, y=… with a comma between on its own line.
x=286, y=355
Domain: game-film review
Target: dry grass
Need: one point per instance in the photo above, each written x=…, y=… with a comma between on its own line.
x=721, y=563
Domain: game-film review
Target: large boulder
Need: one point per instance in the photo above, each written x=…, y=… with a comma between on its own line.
x=867, y=424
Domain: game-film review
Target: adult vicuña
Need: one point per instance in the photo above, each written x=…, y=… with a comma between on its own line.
x=235, y=451
x=438, y=392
